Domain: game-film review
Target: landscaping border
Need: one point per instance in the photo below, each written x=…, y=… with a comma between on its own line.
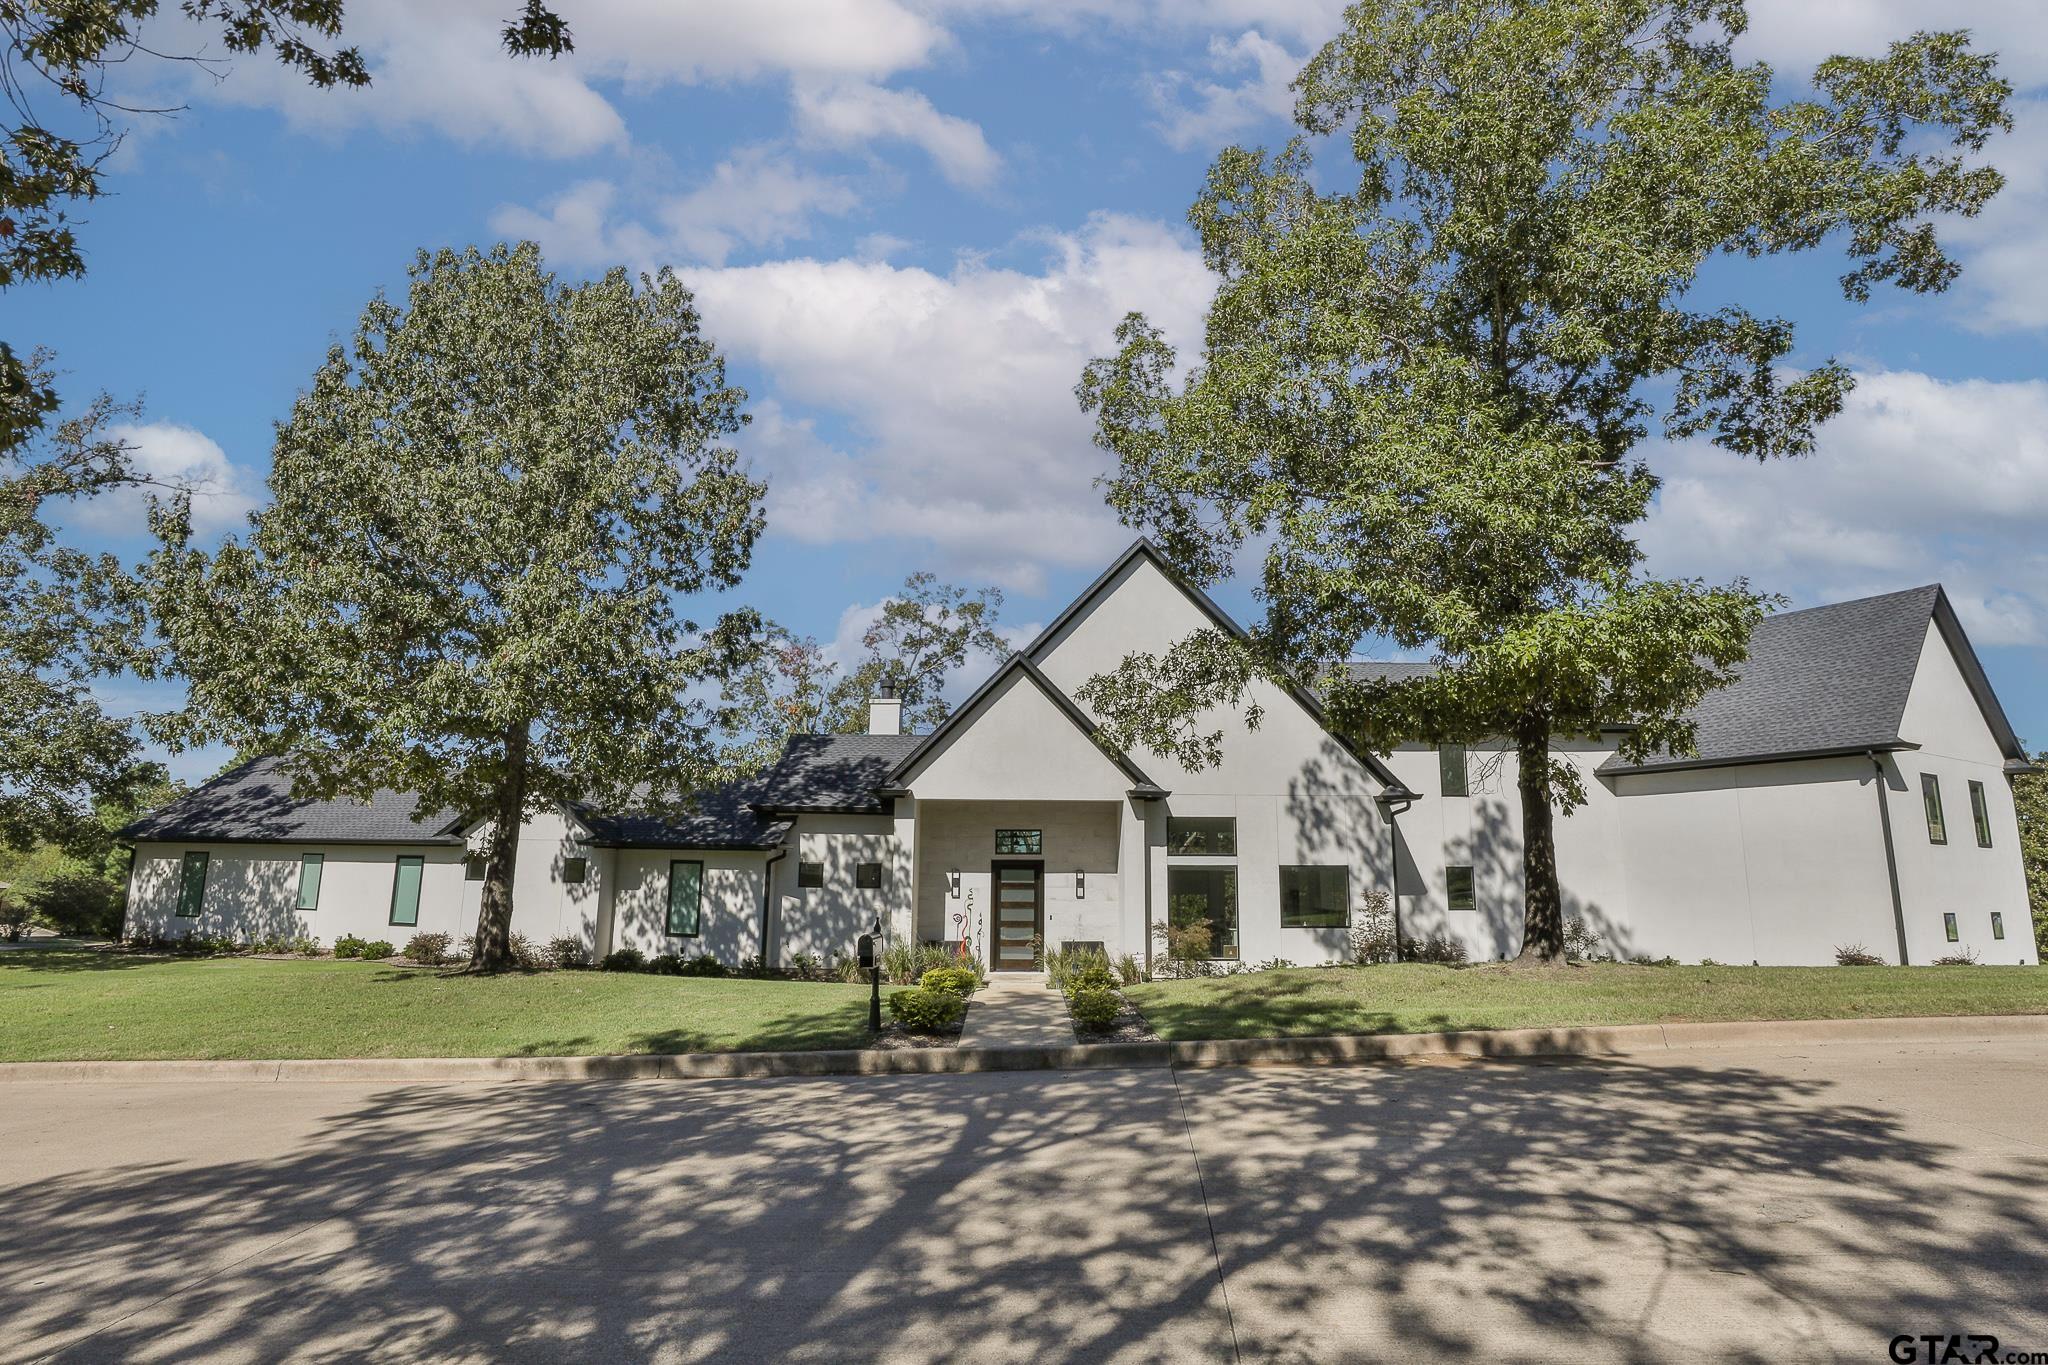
x=1616, y=1040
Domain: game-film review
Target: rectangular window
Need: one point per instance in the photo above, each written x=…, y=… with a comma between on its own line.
x=1213, y=837
x=1930, y=796
x=810, y=874
x=1314, y=897
x=574, y=870
x=473, y=868
x=311, y=866
x=1458, y=887
x=867, y=876
x=405, y=889
x=1205, y=895
x=1450, y=762
x=1980, y=811
x=1020, y=841
x=1948, y=923
x=685, y=899
x=1997, y=925
x=191, y=885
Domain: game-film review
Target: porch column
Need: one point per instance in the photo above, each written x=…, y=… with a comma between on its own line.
x=1131, y=855
x=902, y=922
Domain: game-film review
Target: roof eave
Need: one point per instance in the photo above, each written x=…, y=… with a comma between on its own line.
x=1893, y=745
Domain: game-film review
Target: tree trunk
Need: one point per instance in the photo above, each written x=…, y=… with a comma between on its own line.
x=1543, y=922
x=492, y=950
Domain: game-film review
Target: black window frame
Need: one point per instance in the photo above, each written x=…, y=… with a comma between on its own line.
x=668, y=922
x=1444, y=756
x=1998, y=925
x=1980, y=813
x=869, y=877
x=474, y=867
x=1020, y=843
x=575, y=871
x=1320, y=918
x=205, y=865
x=1951, y=927
x=1930, y=804
x=809, y=876
x=418, y=891
x=1215, y=876
x=311, y=860
x=1471, y=879
x=1225, y=825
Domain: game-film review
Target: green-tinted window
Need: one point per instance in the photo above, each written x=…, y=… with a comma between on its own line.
x=311, y=866
x=1204, y=836
x=1031, y=841
x=191, y=885
x=405, y=888
x=1205, y=895
x=1458, y=887
x=474, y=867
x=1450, y=762
x=1980, y=811
x=1997, y=925
x=1930, y=796
x=1315, y=897
x=1948, y=924
x=685, y=898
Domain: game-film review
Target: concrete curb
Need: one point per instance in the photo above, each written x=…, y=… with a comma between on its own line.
x=1614, y=1041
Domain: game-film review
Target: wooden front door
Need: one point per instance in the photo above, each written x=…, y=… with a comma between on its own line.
x=1019, y=915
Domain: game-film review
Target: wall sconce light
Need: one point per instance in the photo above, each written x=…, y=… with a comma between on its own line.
x=953, y=884
x=1080, y=885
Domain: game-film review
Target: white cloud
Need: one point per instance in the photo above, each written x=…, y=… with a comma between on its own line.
x=168, y=454
x=957, y=388
x=756, y=198
x=855, y=115
x=1795, y=38
x=1919, y=480
x=1205, y=113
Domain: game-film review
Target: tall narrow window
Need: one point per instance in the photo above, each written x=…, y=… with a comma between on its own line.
x=1930, y=796
x=1980, y=811
x=191, y=885
x=1458, y=887
x=1997, y=925
x=685, y=898
x=1205, y=896
x=405, y=888
x=1948, y=924
x=311, y=865
x=1314, y=897
x=1450, y=762
x=1189, y=836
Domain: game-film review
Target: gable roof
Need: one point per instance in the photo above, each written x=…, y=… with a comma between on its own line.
x=722, y=818
x=830, y=773
x=253, y=803
x=1142, y=786
x=1143, y=548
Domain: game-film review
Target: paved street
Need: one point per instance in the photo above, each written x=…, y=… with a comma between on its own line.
x=1744, y=1204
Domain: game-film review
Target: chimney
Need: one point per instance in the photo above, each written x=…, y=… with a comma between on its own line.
x=885, y=710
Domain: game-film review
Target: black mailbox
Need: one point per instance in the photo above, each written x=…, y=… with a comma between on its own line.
x=865, y=950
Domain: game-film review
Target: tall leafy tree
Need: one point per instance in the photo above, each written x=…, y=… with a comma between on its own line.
x=488, y=511
x=2030, y=795
x=922, y=635
x=1426, y=389
x=788, y=686
x=64, y=615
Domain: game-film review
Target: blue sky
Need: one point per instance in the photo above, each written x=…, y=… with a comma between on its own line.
x=910, y=222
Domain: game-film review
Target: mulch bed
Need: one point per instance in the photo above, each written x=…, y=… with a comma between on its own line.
x=1129, y=1026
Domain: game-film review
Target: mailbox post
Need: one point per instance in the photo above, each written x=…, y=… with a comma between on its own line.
x=866, y=949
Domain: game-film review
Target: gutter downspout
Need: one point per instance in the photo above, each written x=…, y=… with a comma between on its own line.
x=1891, y=856
x=1395, y=806
x=768, y=895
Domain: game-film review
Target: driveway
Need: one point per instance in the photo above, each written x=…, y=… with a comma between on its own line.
x=1745, y=1204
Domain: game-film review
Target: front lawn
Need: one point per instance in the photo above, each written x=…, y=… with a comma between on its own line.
x=71, y=1004
x=1308, y=1002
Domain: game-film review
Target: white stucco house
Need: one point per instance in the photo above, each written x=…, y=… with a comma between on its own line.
x=1853, y=787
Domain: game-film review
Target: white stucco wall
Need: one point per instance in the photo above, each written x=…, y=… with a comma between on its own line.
x=1077, y=836
x=252, y=891
x=829, y=919
x=730, y=923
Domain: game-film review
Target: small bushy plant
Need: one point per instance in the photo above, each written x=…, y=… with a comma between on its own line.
x=899, y=963
x=1095, y=1007
x=922, y=1010
x=806, y=966
x=429, y=950
x=568, y=952
x=665, y=964
x=958, y=980
x=1965, y=958
x=1665, y=961
x=374, y=950
x=1582, y=942
x=752, y=966
x=703, y=965
x=929, y=955
x=1128, y=972
x=1372, y=930
x=1273, y=964
x=348, y=945
x=623, y=960
x=1440, y=949
x=1856, y=955
x=521, y=953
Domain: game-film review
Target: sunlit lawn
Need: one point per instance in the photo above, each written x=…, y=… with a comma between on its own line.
x=1306, y=1002
x=80, y=1004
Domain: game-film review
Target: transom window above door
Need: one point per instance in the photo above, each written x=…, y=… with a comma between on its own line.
x=1201, y=836
x=1020, y=841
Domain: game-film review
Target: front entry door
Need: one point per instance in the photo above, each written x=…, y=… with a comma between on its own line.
x=1020, y=915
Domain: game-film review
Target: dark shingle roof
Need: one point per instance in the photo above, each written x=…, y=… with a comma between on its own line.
x=833, y=772
x=1388, y=670
x=254, y=803
x=720, y=819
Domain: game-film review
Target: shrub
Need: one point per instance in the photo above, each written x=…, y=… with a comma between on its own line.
x=1666, y=961
x=1966, y=958
x=926, y=956
x=623, y=960
x=521, y=953
x=348, y=945
x=1709, y=962
x=958, y=980
x=374, y=950
x=844, y=966
x=15, y=917
x=1856, y=955
x=306, y=947
x=703, y=965
x=1095, y=1007
x=1582, y=942
x=80, y=903
x=1066, y=968
x=806, y=966
x=1273, y=964
x=568, y=952
x=428, y=949
x=899, y=963
x=751, y=966
x=1128, y=972
x=1440, y=949
x=922, y=1010
x=1091, y=975
x=665, y=964
x=1372, y=930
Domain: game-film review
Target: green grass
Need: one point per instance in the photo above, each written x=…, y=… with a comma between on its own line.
x=78, y=1004
x=1308, y=1002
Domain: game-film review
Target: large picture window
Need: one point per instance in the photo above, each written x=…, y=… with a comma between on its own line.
x=1930, y=797
x=405, y=888
x=1016, y=841
x=685, y=898
x=1201, y=836
x=1314, y=897
x=191, y=885
x=1205, y=895
x=1980, y=812
x=1450, y=762
x=311, y=866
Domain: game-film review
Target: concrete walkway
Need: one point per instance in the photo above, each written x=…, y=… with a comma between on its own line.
x=1017, y=1009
